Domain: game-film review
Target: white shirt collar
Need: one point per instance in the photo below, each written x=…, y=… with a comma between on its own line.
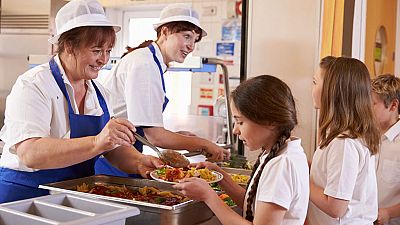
x=293, y=144
x=393, y=131
x=160, y=57
x=68, y=84
x=64, y=77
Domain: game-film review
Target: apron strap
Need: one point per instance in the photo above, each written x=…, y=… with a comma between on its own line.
x=153, y=51
x=60, y=81
x=100, y=97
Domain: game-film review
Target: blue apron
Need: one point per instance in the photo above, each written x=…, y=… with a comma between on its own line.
x=102, y=165
x=18, y=185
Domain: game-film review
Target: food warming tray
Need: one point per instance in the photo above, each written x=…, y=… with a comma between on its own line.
x=187, y=213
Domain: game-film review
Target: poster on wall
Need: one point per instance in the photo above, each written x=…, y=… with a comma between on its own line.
x=225, y=49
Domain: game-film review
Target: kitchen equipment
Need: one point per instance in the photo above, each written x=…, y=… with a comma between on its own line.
x=186, y=213
x=64, y=209
x=170, y=157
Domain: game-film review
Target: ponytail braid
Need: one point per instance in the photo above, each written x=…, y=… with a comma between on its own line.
x=142, y=45
x=253, y=189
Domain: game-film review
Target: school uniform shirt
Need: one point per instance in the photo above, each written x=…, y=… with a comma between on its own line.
x=388, y=170
x=137, y=89
x=285, y=182
x=36, y=107
x=345, y=170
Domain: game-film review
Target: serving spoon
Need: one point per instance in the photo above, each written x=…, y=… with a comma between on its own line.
x=170, y=157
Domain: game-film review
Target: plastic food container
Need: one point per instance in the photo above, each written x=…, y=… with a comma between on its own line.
x=64, y=209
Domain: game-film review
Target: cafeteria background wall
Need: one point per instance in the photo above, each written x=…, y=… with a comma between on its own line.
x=284, y=42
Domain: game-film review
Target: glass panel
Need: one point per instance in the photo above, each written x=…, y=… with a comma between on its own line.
x=141, y=29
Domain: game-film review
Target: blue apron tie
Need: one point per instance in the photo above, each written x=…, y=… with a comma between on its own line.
x=17, y=185
x=138, y=145
x=102, y=165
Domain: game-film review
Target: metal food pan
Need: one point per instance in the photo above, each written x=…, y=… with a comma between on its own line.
x=237, y=171
x=189, y=212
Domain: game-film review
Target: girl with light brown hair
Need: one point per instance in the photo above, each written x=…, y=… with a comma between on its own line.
x=342, y=177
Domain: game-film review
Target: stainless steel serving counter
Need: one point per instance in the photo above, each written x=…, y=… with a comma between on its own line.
x=186, y=213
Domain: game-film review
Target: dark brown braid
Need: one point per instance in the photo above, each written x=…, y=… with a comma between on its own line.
x=271, y=104
x=142, y=45
x=253, y=190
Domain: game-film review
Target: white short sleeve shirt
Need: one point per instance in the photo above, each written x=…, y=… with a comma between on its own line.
x=388, y=170
x=36, y=107
x=345, y=170
x=285, y=182
x=137, y=89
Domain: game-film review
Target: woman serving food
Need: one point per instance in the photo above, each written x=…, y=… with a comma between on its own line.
x=57, y=119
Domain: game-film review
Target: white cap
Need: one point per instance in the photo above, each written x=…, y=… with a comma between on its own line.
x=179, y=12
x=81, y=13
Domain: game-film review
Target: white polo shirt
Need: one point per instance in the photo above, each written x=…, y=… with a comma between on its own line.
x=345, y=170
x=36, y=107
x=137, y=88
x=285, y=182
x=388, y=170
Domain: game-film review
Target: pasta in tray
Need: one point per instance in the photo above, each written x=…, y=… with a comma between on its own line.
x=144, y=194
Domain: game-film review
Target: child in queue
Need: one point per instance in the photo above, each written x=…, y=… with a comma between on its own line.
x=385, y=99
x=278, y=190
x=342, y=176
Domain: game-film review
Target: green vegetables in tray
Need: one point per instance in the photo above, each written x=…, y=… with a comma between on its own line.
x=238, y=161
x=227, y=200
x=216, y=187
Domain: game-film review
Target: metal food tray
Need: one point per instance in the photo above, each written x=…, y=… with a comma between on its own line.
x=189, y=212
x=237, y=171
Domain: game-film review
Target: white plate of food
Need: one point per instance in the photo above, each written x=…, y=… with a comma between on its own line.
x=174, y=175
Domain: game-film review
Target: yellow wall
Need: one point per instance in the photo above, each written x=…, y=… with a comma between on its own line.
x=332, y=28
x=380, y=12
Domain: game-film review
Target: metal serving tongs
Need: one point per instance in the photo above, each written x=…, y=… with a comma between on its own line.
x=170, y=157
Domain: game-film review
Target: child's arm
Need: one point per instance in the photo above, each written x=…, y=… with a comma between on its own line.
x=266, y=214
x=269, y=213
x=198, y=189
x=385, y=214
x=334, y=207
x=236, y=192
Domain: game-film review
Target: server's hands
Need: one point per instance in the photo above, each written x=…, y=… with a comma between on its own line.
x=116, y=132
x=147, y=163
x=216, y=153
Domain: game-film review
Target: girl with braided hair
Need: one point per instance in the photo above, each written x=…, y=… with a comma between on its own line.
x=278, y=191
x=343, y=186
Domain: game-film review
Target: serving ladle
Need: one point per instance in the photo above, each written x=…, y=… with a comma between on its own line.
x=170, y=157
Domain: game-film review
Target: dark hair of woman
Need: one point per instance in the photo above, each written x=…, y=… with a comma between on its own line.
x=142, y=45
x=173, y=27
x=82, y=37
x=179, y=26
x=272, y=103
